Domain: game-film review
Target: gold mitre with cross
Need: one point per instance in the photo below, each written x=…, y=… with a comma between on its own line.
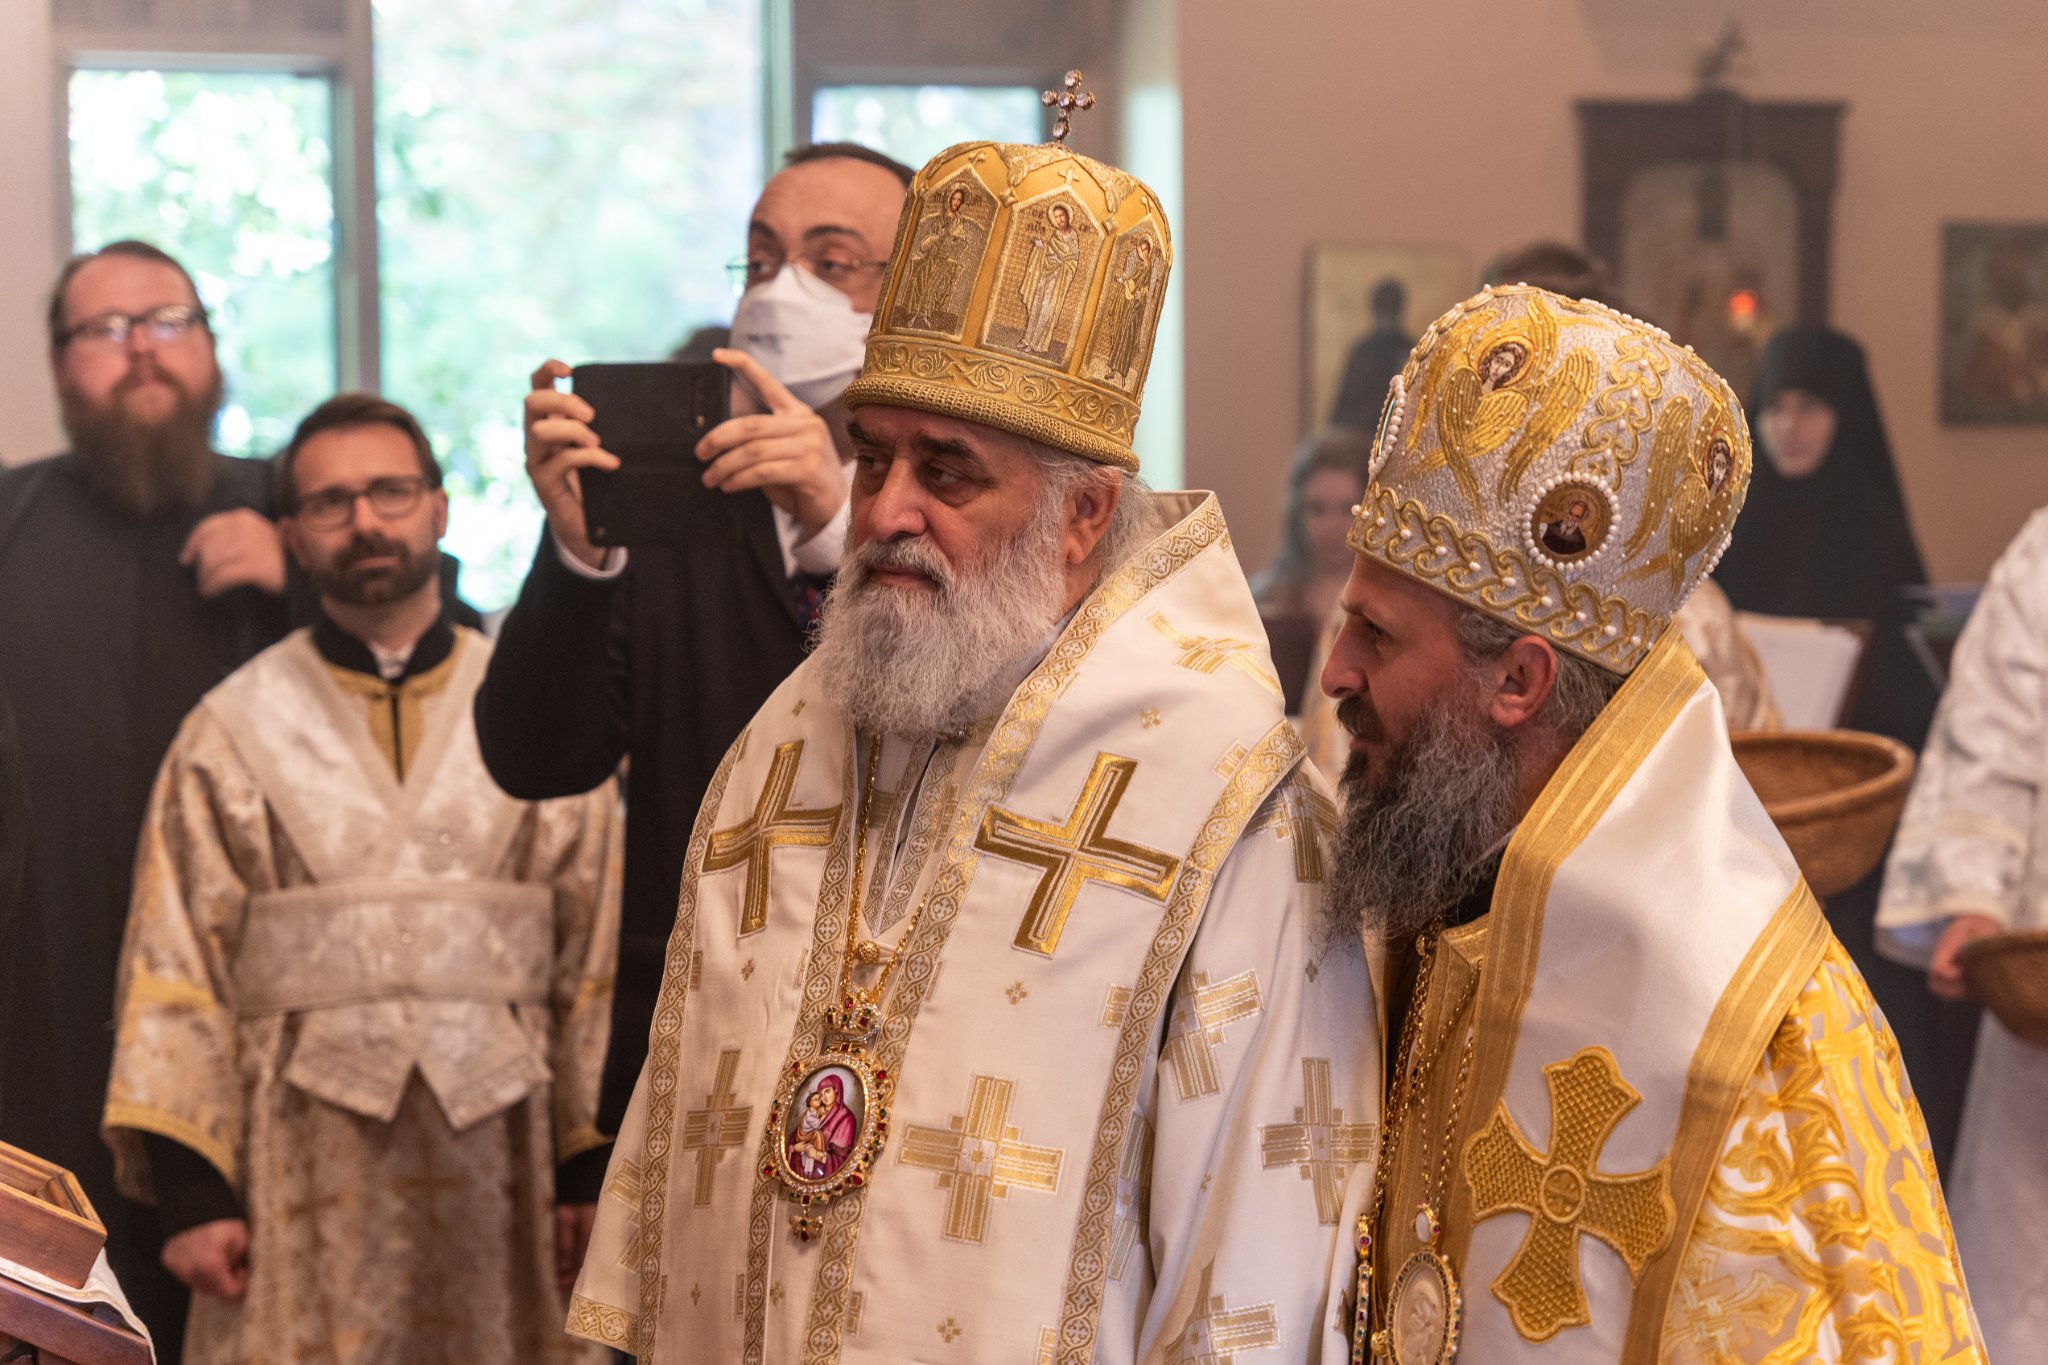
x=1023, y=292
x=1559, y=465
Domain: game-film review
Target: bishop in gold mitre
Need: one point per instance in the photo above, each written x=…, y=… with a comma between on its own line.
x=995, y=1025
x=1640, y=1104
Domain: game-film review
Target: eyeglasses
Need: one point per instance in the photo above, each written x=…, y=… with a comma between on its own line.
x=839, y=270
x=162, y=326
x=330, y=508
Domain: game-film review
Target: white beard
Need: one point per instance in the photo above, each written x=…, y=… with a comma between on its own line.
x=927, y=662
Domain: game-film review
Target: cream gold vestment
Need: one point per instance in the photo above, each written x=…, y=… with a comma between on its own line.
x=1128, y=1088
x=377, y=1007
x=1971, y=843
x=1687, y=1136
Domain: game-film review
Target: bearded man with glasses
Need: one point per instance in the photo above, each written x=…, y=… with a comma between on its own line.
x=364, y=993
x=136, y=571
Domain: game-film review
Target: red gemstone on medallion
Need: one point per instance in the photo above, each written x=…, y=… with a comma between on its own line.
x=853, y=1180
x=880, y=1074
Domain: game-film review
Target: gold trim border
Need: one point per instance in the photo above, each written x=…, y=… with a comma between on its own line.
x=1571, y=804
x=1271, y=760
x=1011, y=395
x=608, y=1326
x=1501, y=581
x=1776, y=968
x=664, y=1044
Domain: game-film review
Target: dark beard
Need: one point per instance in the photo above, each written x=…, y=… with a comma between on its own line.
x=145, y=467
x=1414, y=840
x=343, y=582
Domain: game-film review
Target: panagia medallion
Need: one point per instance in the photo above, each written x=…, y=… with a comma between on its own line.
x=1425, y=1307
x=827, y=1125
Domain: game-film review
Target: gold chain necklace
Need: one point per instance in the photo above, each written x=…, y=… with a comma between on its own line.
x=830, y=1116
x=1425, y=1286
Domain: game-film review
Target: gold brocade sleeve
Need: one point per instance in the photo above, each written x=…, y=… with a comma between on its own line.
x=1823, y=1236
x=176, y=1068
x=577, y=849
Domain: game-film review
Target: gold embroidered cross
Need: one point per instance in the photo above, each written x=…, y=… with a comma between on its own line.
x=624, y=1185
x=1133, y=1179
x=1318, y=1141
x=1068, y=101
x=1206, y=653
x=1075, y=852
x=1199, y=1018
x=1213, y=1334
x=1305, y=816
x=1565, y=1196
x=772, y=825
x=979, y=1158
x=1711, y=1318
x=1116, y=1003
x=718, y=1127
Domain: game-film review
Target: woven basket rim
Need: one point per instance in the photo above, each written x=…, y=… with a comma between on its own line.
x=1841, y=800
x=2017, y=941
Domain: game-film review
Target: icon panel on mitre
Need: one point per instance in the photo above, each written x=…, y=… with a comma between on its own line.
x=1557, y=464
x=1024, y=293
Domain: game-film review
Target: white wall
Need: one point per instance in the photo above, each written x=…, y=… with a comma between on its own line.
x=1453, y=122
x=30, y=249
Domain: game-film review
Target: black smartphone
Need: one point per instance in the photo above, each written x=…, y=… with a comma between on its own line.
x=651, y=415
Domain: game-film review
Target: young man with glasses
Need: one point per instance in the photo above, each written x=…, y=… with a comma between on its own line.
x=364, y=993
x=136, y=571
x=663, y=654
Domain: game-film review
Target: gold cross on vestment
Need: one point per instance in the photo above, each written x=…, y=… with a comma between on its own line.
x=718, y=1127
x=1318, y=1141
x=1713, y=1318
x=773, y=824
x=1213, y=1334
x=1206, y=654
x=979, y=1158
x=1069, y=100
x=1307, y=817
x=1565, y=1196
x=1075, y=852
x=1196, y=1030
x=624, y=1186
x=1133, y=1180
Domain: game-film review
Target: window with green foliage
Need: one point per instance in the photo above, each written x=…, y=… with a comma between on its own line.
x=554, y=178
x=914, y=123
x=231, y=173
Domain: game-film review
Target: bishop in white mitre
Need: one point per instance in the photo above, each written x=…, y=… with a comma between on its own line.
x=1968, y=863
x=996, y=1024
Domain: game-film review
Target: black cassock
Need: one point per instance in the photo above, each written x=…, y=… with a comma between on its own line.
x=666, y=663
x=105, y=644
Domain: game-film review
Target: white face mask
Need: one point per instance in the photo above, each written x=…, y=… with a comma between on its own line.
x=804, y=332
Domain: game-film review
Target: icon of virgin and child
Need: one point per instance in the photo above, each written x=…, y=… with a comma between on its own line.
x=826, y=1128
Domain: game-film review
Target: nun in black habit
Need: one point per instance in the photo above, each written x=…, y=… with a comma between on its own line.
x=1825, y=534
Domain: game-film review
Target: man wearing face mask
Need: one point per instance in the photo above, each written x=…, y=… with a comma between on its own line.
x=663, y=655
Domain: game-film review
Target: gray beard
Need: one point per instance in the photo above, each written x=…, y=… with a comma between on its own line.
x=905, y=661
x=1414, y=842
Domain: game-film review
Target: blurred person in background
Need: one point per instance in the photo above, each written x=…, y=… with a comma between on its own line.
x=1825, y=534
x=136, y=571
x=1374, y=361
x=1967, y=865
x=662, y=654
x=1297, y=592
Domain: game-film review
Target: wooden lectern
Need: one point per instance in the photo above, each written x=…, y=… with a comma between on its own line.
x=48, y=1225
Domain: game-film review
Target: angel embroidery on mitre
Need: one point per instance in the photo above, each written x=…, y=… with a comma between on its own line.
x=1486, y=387
x=1689, y=482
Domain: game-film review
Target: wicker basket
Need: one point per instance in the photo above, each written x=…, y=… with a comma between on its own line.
x=1835, y=795
x=2009, y=973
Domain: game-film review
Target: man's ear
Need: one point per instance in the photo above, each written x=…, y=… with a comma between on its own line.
x=1528, y=673
x=1088, y=515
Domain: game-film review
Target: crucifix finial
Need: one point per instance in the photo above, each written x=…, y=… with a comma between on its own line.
x=1067, y=101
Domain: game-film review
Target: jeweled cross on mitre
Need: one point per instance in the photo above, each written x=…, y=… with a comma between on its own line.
x=1068, y=101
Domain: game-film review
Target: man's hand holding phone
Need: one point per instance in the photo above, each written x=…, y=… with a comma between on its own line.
x=786, y=452
x=559, y=443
